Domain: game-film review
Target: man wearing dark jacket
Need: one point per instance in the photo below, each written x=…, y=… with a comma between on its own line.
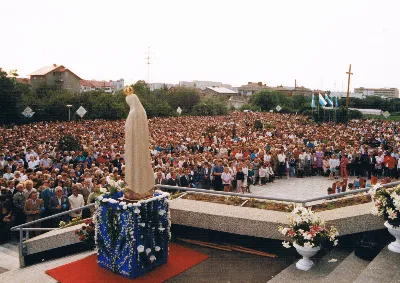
x=186, y=179
x=59, y=203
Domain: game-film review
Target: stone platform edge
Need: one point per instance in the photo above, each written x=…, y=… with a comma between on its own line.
x=264, y=223
x=231, y=219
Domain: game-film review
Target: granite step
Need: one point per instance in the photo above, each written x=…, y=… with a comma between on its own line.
x=348, y=270
x=321, y=269
x=9, y=257
x=384, y=268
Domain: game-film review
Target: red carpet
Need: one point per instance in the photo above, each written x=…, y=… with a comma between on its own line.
x=87, y=270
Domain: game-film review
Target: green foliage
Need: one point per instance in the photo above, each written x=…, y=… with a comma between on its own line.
x=69, y=143
x=268, y=100
x=251, y=107
x=234, y=131
x=340, y=115
x=185, y=98
x=11, y=92
x=373, y=102
x=210, y=107
x=211, y=130
x=258, y=125
x=141, y=89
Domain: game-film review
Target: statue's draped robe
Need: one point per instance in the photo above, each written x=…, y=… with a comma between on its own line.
x=139, y=174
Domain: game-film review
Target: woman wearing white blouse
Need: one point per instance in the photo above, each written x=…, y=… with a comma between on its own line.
x=226, y=179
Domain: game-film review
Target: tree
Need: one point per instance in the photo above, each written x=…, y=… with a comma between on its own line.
x=268, y=100
x=69, y=143
x=185, y=98
x=258, y=125
x=10, y=96
x=141, y=89
x=210, y=107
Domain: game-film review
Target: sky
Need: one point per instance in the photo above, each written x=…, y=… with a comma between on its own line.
x=234, y=42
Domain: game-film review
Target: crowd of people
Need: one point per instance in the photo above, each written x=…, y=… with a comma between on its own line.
x=221, y=153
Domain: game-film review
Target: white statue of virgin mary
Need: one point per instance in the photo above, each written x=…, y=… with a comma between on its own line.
x=139, y=175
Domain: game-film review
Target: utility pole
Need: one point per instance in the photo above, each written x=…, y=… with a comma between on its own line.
x=348, y=87
x=69, y=111
x=148, y=65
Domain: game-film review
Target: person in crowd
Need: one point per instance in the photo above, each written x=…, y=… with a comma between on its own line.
x=28, y=188
x=19, y=200
x=173, y=180
x=8, y=175
x=92, y=198
x=76, y=200
x=240, y=177
x=256, y=170
x=390, y=163
x=371, y=165
x=33, y=210
x=59, y=203
x=159, y=179
x=262, y=175
x=226, y=178
x=5, y=224
x=186, y=179
x=205, y=174
x=269, y=172
x=325, y=166
x=217, y=173
x=343, y=167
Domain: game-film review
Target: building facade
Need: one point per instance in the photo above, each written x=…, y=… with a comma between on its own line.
x=118, y=85
x=58, y=77
x=251, y=88
x=383, y=92
x=203, y=84
x=90, y=85
x=290, y=91
x=154, y=86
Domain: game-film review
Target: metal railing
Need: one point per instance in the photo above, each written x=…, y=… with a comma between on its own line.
x=21, y=228
x=302, y=202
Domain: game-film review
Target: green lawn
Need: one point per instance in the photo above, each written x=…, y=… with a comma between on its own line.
x=390, y=118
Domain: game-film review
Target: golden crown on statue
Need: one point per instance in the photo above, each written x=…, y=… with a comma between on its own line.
x=128, y=90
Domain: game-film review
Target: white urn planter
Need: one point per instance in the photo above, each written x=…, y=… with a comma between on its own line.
x=305, y=263
x=395, y=232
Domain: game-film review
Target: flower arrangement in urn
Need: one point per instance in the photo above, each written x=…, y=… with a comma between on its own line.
x=387, y=204
x=308, y=233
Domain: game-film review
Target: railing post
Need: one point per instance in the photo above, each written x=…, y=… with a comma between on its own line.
x=21, y=249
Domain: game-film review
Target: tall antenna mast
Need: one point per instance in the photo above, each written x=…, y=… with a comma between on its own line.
x=148, y=62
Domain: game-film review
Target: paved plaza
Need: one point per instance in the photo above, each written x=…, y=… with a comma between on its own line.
x=296, y=188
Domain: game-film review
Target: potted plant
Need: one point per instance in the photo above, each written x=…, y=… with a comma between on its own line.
x=86, y=233
x=387, y=204
x=308, y=234
x=331, y=191
x=350, y=186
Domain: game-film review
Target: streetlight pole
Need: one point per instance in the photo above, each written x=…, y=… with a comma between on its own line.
x=69, y=111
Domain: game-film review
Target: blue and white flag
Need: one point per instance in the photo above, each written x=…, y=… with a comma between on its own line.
x=322, y=101
x=312, y=101
x=337, y=103
x=329, y=100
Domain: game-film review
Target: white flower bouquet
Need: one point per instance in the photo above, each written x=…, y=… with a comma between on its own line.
x=308, y=230
x=387, y=203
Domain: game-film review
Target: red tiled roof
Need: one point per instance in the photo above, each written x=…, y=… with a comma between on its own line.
x=47, y=69
x=23, y=80
x=97, y=84
x=85, y=83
